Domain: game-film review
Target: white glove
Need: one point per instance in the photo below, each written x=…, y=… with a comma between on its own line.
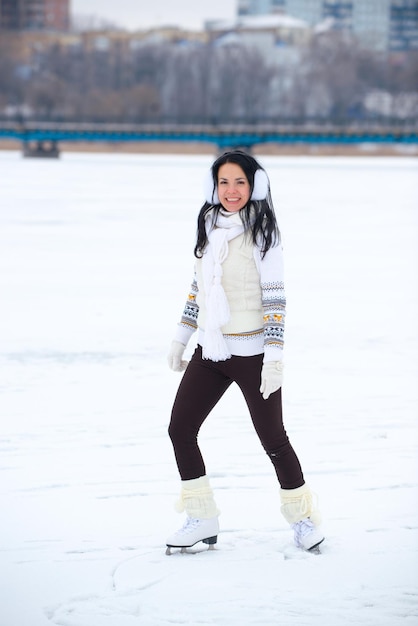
x=271, y=377
x=175, y=355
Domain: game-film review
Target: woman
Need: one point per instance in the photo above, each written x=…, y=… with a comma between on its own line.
x=237, y=305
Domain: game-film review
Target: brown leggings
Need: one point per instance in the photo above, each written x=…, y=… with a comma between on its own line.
x=203, y=384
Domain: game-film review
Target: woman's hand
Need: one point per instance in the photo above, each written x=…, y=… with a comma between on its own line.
x=175, y=357
x=271, y=377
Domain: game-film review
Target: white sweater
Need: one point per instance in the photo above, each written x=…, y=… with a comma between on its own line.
x=255, y=291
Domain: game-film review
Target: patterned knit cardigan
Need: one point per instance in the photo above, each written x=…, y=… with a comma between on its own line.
x=269, y=338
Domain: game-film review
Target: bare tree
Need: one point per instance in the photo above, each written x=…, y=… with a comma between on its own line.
x=333, y=78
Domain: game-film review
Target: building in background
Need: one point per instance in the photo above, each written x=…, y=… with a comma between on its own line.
x=340, y=12
x=280, y=38
x=378, y=24
x=311, y=10
x=35, y=14
x=57, y=14
x=260, y=7
x=403, y=32
x=21, y=14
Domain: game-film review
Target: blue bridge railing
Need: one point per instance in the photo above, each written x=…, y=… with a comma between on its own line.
x=223, y=135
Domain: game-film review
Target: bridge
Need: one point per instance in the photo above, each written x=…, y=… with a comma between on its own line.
x=42, y=138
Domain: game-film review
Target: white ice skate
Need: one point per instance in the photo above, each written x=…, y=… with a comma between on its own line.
x=193, y=531
x=307, y=535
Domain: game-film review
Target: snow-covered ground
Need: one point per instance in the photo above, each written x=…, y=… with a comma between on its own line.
x=95, y=264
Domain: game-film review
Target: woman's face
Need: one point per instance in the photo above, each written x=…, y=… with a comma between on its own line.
x=233, y=187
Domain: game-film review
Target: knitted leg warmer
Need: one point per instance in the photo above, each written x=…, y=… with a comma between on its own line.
x=196, y=498
x=298, y=504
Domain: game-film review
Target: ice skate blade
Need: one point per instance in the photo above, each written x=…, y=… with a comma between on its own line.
x=189, y=550
x=210, y=541
x=316, y=548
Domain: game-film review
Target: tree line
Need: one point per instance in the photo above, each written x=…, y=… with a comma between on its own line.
x=331, y=79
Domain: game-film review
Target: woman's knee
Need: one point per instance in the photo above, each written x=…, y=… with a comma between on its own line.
x=179, y=432
x=174, y=431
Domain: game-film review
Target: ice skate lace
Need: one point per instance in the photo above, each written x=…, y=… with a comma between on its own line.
x=304, y=527
x=189, y=526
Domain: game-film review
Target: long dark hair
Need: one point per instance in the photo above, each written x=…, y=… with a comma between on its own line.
x=264, y=230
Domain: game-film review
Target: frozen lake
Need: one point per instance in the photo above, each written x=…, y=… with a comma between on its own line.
x=96, y=258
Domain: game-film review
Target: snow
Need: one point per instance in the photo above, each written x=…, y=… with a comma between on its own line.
x=259, y=22
x=88, y=244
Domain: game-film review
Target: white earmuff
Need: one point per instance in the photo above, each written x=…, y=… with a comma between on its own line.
x=210, y=189
x=261, y=185
x=260, y=191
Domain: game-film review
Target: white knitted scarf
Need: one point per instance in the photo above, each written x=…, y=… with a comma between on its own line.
x=227, y=227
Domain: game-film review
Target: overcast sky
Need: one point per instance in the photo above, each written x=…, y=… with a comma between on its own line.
x=138, y=14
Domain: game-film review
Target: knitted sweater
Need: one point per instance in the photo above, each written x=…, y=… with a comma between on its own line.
x=255, y=292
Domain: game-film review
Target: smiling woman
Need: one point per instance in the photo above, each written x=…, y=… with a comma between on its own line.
x=128, y=14
x=237, y=305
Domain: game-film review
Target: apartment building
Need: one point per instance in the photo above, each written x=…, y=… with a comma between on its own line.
x=403, y=32
x=34, y=14
x=379, y=24
x=260, y=7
